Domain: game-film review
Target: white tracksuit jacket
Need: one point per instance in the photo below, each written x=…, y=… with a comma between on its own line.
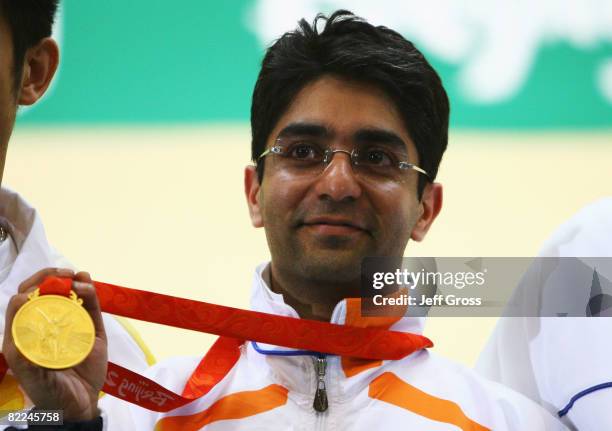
x=265, y=392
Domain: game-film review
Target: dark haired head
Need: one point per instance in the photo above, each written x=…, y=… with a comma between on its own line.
x=29, y=22
x=352, y=49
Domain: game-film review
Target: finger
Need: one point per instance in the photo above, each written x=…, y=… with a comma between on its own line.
x=87, y=292
x=38, y=277
x=82, y=276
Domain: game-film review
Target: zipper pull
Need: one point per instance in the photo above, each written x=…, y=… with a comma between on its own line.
x=320, y=400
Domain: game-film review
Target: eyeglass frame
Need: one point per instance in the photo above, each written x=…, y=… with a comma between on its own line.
x=329, y=154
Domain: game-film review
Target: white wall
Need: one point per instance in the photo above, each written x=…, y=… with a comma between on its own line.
x=162, y=209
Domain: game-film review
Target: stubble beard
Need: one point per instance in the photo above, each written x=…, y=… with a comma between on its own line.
x=331, y=263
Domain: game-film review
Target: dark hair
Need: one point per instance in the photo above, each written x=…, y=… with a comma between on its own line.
x=29, y=22
x=353, y=49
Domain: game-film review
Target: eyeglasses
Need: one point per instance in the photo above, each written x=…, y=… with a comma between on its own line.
x=374, y=162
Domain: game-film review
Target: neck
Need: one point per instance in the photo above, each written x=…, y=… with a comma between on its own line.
x=312, y=299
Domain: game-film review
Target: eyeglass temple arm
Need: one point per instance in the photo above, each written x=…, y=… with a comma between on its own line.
x=274, y=149
x=406, y=165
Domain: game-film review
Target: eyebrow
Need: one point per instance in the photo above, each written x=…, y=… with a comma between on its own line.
x=305, y=129
x=363, y=136
x=380, y=136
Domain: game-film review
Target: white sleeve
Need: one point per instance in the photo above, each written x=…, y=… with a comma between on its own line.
x=119, y=415
x=592, y=412
x=555, y=360
x=506, y=357
x=523, y=414
x=123, y=349
x=571, y=358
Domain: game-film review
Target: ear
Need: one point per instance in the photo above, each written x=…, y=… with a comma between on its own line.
x=431, y=204
x=39, y=66
x=251, y=192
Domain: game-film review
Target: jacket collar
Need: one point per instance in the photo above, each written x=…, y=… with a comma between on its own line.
x=265, y=300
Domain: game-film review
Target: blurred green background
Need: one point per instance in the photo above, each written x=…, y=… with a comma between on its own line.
x=150, y=61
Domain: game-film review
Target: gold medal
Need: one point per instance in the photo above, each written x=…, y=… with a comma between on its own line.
x=53, y=331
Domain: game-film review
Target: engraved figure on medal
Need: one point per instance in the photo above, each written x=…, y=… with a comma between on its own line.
x=53, y=331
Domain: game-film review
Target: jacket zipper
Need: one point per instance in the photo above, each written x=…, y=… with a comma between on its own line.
x=320, y=403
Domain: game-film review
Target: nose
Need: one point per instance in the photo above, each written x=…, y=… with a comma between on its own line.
x=338, y=182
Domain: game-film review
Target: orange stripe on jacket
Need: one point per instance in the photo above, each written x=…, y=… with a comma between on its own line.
x=354, y=366
x=234, y=406
x=391, y=389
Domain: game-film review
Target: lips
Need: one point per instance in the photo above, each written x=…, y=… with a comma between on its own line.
x=335, y=225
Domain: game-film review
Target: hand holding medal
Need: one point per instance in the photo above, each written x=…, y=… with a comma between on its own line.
x=57, y=346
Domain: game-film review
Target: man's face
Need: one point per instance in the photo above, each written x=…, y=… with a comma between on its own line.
x=321, y=227
x=8, y=102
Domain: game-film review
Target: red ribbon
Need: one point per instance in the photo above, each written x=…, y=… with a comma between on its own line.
x=233, y=325
x=55, y=286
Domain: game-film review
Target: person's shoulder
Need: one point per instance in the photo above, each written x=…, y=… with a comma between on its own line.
x=431, y=362
x=466, y=378
x=593, y=214
x=600, y=205
x=443, y=378
x=586, y=233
